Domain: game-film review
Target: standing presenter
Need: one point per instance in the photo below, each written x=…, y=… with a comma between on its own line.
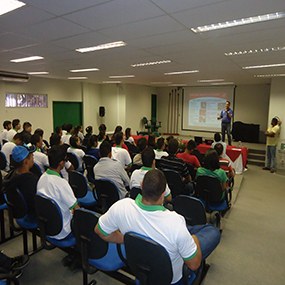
x=226, y=117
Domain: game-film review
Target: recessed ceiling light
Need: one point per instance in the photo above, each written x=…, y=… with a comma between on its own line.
x=24, y=59
x=181, y=72
x=270, y=75
x=264, y=66
x=160, y=82
x=10, y=5
x=103, y=46
x=253, y=51
x=210, y=80
x=38, y=72
x=222, y=83
x=121, y=76
x=151, y=63
x=84, y=70
x=239, y=22
x=78, y=77
x=178, y=85
x=111, y=82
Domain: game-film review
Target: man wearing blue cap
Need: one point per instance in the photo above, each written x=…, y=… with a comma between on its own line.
x=21, y=177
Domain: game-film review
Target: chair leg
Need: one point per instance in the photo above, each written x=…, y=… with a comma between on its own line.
x=2, y=225
x=35, y=245
x=25, y=241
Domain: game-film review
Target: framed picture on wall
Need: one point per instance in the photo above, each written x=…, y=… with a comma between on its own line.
x=26, y=100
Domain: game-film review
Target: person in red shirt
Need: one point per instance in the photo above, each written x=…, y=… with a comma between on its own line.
x=187, y=157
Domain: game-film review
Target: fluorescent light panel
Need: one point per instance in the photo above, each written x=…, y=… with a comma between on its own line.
x=77, y=77
x=210, y=80
x=181, y=72
x=178, y=85
x=111, y=82
x=254, y=51
x=151, y=63
x=103, y=46
x=270, y=75
x=160, y=82
x=121, y=76
x=7, y=6
x=264, y=66
x=222, y=83
x=239, y=22
x=84, y=70
x=38, y=73
x=24, y=59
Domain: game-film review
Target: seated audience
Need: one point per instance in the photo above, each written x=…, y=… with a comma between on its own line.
x=128, y=136
x=111, y=169
x=171, y=162
x=192, y=148
x=21, y=177
x=9, y=146
x=89, y=131
x=92, y=147
x=102, y=134
x=147, y=216
x=225, y=164
x=188, y=157
x=40, y=158
x=16, y=126
x=148, y=159
x=7, y=125
x=142, y=144
x=151, y=141
x=218, y=139
x=53, y=186
x=45, y=145
x=160, y=149
x=66, y=133
x=27, y=132
x=76, y=149
x=212, y=168
x=119, y=153
x=77, y=131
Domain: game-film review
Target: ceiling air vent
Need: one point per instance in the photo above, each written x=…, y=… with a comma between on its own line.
x=13, y=76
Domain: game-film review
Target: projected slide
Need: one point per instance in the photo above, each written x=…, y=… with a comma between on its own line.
x=202, y=106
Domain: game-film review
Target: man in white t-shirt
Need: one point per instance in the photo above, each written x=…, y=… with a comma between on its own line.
x=53, y=186
x=148, y=159
x=160, y=149
x=16, y=126
x=147, y=216
x=40, y=158
x=119, y=153
x=7, y=125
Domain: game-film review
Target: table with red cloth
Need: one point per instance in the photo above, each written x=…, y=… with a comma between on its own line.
x=136, y=138
x=237, y=155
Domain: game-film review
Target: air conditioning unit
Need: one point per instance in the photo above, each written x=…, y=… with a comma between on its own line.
x=13, y=76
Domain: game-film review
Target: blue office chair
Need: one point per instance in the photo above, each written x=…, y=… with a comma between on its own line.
x=96, y=253
x=36, y=170
x=89, y=162
x=51, y=223
x=106, y=193
x=81, y=190
x=18, y=211
x=150, y=262
x=73, y=158
x=3, y=161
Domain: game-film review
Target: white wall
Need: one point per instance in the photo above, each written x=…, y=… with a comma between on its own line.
x=251, y=106
x=277, y=103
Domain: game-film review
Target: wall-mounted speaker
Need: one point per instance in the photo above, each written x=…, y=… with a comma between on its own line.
x=101, y=111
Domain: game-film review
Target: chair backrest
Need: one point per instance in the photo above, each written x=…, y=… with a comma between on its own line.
x=36, y=170
x=134, y=192
x=49, y=215
x=3, y=161
x=191, y=170
x=192, y=209
x=174, y=182
x=16, y=203
x=89, y=163
x=209, y=189
x=73, y=159
x=106, y=194
x=148, y=260
x=83, y=224
x=78, y=183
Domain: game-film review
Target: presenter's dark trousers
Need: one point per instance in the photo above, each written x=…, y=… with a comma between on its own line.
x=226, y=128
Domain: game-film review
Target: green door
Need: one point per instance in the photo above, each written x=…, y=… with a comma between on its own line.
x=67, y=112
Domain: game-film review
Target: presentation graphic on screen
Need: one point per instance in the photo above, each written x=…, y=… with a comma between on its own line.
x=202, y=106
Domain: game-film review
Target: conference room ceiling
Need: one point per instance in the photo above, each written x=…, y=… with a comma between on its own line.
x=154, y=30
